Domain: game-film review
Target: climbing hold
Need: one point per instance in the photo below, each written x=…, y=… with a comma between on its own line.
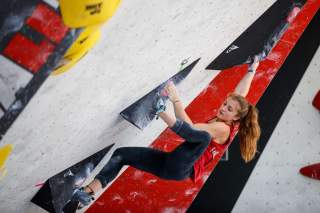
x=81, y=13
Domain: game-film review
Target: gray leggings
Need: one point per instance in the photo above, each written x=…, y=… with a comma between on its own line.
x=175, y=165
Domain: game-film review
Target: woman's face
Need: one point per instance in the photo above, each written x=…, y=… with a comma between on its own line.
x=228, y=110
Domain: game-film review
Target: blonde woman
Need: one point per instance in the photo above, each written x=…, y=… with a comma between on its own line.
x=189, y=158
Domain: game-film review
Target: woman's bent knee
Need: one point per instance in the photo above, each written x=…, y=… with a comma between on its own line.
x=177, y=126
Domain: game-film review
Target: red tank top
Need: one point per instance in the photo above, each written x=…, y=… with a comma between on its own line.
x=214, y=151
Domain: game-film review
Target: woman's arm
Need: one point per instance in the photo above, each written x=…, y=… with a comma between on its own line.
x=217, y=130
x=244, y=85
x=241, y=89
x=179, y=111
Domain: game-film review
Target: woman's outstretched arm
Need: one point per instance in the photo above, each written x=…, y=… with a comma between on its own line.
x=244, y=85
x=241, y=89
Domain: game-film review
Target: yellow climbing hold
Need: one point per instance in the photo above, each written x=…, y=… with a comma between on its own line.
x=77, y=52
x=85, y=39
x=4, y=154
x=80, y=13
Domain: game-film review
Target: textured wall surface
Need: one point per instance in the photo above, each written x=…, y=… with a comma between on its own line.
x=76, y=114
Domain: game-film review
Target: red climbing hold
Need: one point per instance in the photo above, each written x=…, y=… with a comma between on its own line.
x=312, y=171
x=316, y=101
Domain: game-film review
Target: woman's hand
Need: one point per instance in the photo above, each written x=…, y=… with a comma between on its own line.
x=253, y=67
x=244, y=85
x=172, y=92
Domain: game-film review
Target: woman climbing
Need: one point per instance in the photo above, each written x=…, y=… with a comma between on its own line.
x=189, y=158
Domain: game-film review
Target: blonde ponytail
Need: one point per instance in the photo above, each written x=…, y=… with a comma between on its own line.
x=249, y=133
x=249, y=130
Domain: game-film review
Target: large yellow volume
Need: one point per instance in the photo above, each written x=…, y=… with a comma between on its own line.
x=81, y=13
x=84, y=40
x=4, y=154
x=76, y=53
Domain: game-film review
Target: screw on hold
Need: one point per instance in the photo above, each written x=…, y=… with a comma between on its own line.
x=68, y=173
x=184, y=62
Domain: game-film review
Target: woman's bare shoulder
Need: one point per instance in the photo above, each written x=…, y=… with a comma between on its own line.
x=220, y=126
x=221, y=131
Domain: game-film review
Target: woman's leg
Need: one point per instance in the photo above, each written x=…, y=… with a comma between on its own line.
x=148, y=159
x=175, y=165
x=143, y=158
x=181, y=160
x=186, y=154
